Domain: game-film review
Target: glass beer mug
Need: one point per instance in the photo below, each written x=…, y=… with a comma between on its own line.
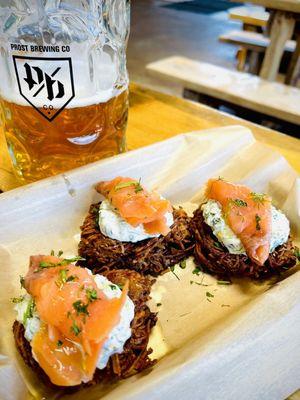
x=63, y=82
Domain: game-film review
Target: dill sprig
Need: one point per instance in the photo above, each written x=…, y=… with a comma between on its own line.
x=257, y=222
x=137, y=185
x=259, y=198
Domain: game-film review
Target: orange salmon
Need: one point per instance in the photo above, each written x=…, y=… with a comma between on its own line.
x=247, y=213
x=136, y=205
x=76, y=318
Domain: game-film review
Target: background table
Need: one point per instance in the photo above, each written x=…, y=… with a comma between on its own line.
x=155, y=116
x=282, y=24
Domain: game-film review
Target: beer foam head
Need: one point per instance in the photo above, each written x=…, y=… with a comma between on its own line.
x=54, y=81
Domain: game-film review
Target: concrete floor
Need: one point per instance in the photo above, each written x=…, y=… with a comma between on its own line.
x=158, y=32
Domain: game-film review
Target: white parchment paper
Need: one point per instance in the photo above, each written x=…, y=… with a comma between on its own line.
x=244, y=344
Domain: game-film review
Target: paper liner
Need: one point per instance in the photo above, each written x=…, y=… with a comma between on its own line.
x=244, y=343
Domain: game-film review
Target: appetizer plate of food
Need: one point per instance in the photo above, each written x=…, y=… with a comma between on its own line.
x=167, y=271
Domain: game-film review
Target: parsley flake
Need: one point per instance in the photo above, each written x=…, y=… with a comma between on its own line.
x=63, y=275
x=208, y=295
x=80, y=307
x=22, y=282
x=65, y=261
x=239, y=203
x=197, y=271
x=92, y=294
x=217, y=245
x=29, y=311
x=44, y=264
x=113, y=287
x=198, y=283
x=158, y=304
x=259, y=198
x=224, y=282
x=75, y=328
x=137, y=185
x=182, y=264
x=71, y=278
x=257, y=222
x=172, y=269
x=17, y=300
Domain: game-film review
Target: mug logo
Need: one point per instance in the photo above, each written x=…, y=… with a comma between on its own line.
x=45, y=83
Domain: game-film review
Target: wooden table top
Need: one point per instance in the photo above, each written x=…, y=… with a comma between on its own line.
x=156, y=116
x=285, y=5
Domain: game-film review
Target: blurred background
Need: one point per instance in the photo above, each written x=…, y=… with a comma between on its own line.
x=232, y=35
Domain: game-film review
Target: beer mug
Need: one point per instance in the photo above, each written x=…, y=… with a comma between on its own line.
x=63, y=82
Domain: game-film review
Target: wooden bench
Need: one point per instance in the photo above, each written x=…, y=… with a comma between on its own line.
x=238, y=88
x=250, y=16
x=252, y=47
x=253, y=41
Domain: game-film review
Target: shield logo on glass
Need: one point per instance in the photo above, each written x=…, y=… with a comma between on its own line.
x=45, y=83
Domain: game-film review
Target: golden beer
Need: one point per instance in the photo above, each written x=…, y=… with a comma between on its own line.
x=78, y=135
x=64, y=83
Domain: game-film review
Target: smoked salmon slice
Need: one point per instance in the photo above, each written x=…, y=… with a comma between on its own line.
x=76, y=318
x=136, y=205
x=247, y=213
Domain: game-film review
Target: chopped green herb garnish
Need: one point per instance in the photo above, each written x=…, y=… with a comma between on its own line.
x=172, y=269
x=72, y=278
x=17, y=299
x=80, y=307
x=63, y=275
x=182, y=264
x=44, y=264
x=52, y=253
x=158, y=304
x=224, y=283
x=197, y=271
x=63, y=278
x=22, y=281
x=225, y=305
x=113, y=287
x=75, y=328
x=60, y=253
x=91, y=294
x=65, y=261
x=59, y=343
x=29, y=311
x=257, y=222
x=94, y=210
x=208, y=294
x=239, y=203
x=198, y=283
x=137, y=185
x=258, y=197
x=218, y=245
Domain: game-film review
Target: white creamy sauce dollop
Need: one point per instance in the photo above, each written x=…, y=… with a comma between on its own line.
x=117, y=337
x=213, y=216
x=111, y=224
